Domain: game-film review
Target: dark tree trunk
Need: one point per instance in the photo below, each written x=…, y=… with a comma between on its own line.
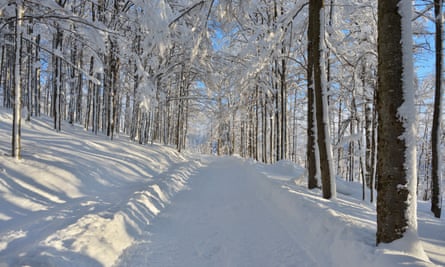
x=37, y=87
x=311, y=126
x=264, y=126
x=392, y=173
x=57, y=79
x=79, y=88
x=315, y=8
x=90, y=96
x=436, y=128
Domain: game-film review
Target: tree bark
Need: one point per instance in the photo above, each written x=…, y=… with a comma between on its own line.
x=319, y=85
x=436, y=171
x=393, y=166
x=37, y=77
x=16, y=127
x=311, y=126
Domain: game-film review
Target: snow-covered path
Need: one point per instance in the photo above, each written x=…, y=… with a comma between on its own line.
x=226, y=218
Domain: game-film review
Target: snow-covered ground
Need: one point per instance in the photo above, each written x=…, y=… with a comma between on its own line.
x=76, y=199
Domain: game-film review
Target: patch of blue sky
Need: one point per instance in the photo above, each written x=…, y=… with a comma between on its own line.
x=424, y=59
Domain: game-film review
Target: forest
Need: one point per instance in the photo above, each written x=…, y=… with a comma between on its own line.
x=350, y=90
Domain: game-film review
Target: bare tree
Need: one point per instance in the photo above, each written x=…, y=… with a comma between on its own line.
x=436, y=128
x=311, y=126
x=316, y=21
x=16, y=127
x=396, y=198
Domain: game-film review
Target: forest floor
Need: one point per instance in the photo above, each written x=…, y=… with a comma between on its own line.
x=77, y=199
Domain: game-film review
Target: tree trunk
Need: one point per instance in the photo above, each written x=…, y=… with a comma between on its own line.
x=29, y=73
x=90, y=95
x=2, y=71
x=264, y=124
x=311, y=125
x=72, y=82
x=436, y=171
x=257, y=123
x=396, y=199
x=79, y=87
x=114, y=71
x=368, y=133
x=283, y=104
x=16, y=126
x=321, y=104
x=57, y=79
x=37, y=87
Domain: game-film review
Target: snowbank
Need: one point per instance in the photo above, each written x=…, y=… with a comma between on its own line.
x=76, y=199
x=342, y=232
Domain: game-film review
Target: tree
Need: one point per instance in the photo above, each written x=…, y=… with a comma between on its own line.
x=319, y=83
x=436, y=128
x=311, y=145
x=16, y=127
x=396, y=156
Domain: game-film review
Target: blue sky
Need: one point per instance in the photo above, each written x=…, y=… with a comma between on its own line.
x=424, y=62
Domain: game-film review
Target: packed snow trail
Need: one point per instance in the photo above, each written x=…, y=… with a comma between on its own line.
x=226, y=218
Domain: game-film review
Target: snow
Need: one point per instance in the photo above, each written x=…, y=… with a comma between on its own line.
x=77, y=199
x=407, y=115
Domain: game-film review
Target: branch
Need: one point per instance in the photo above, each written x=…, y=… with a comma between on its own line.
x=93, y=79
x=185, y=12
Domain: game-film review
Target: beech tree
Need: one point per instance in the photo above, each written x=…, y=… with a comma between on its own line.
x=319, y=83
x=396, y=158
x=313, y=162
x=17, y=117
x=436, y=168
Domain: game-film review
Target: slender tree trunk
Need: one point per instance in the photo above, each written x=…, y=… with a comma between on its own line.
x=108, y=85
x=114, y=94
x=436, y=171
x=180, y=101
x=97, y=107
x=321, y=104
x=283, y=95
x=311, y=125
x=79, y=88
x=90, y=95
x=277, y=117
x=264, y=124
x=339, y=136
x=368, y=134
x=351, y=172
x=37, y=86
x=271, y=139
x=127, y=112
x=2, y=71
x=257, y=124
x=283, y=104
x=8, y=79
x=16, y=127
x=72, y=82
x=57, y=79
x=29, y=73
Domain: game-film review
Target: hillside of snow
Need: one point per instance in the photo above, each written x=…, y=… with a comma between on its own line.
x=77, y=199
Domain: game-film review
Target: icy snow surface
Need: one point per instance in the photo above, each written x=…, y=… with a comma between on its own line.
x=76, y=199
